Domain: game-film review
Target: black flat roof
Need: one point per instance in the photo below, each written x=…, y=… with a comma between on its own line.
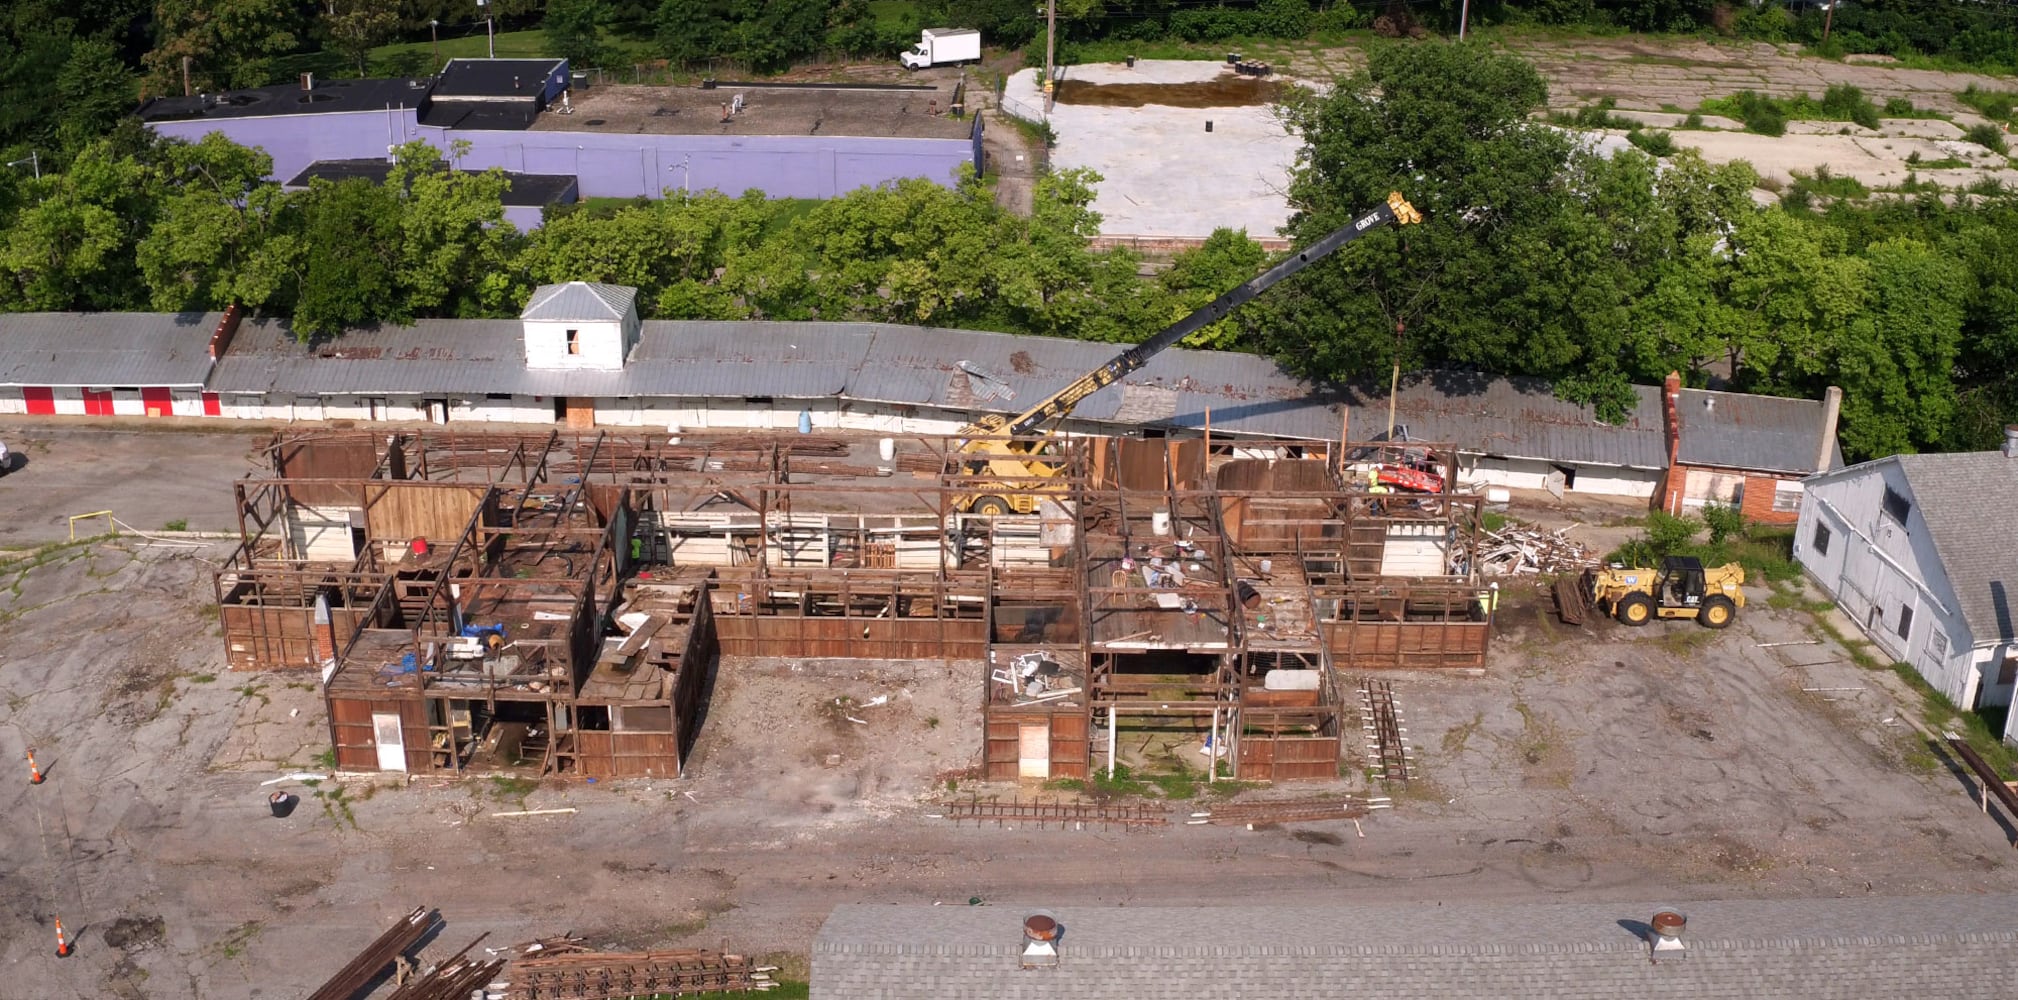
x=487, y=115
x=526, y=189
x=289, y=99
x=495, y=78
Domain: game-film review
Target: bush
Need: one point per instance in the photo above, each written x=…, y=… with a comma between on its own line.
x=1693, y=122
x=1600, y=115
x=1986, y=135
x=1668, y=533
x=1724, y=521
x=1845, y=103
x=1899, y=107
x=1652, y=143
x=1761, y=114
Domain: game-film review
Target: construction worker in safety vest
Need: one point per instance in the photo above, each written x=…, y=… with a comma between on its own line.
x=1488, y=603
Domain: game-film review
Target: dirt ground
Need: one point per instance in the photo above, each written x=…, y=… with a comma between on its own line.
x=1605, y=764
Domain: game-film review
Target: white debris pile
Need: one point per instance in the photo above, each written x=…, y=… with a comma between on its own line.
x=1520, y=549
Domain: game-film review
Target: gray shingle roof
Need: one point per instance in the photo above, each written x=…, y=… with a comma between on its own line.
x=585, y=301
x=1965, y=500
x=1950, y=947
x=106, y=349
x=1730, y=430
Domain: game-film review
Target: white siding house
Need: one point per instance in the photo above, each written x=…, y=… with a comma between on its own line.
x=1917, y=551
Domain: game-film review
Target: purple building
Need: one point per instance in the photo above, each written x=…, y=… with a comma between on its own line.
x=789, y=141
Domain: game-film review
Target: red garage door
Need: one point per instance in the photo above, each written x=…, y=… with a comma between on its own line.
x=211, y=407
x=157, y=402
x=39, y=399
x=97, y=404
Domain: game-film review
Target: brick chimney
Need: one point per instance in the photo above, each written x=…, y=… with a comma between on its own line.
x=1675, y=483
x=227, y=328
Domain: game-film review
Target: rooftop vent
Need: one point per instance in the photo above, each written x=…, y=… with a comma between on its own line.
x=2011, y=441
x=1040, y=941
x=1666, y=936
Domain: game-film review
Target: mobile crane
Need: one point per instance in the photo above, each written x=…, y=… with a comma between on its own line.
x=1000, y=447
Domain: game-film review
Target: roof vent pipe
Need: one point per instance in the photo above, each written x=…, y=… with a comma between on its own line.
x=2011, y=440
x=1667, y=927
x=1040, y=940
x=308, y=81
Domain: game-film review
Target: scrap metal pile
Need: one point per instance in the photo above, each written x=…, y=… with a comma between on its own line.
x=1519, y=549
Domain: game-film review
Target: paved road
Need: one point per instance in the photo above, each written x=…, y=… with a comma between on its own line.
x=146, y=474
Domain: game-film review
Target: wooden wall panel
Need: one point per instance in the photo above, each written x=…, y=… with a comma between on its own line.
x=434, y=511
x=1407, y=644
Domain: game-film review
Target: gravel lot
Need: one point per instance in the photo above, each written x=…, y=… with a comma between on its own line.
x=1603, y=764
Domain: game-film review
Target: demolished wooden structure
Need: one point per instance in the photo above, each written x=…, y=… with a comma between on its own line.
x=554, y=604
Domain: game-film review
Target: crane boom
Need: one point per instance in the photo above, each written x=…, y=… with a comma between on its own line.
x=1060, y=404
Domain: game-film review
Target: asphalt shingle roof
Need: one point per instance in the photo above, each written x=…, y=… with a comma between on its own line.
x=586, y=301
x=1965, y=500
x=1730, y=430
x=105, y=350
x=1954, y=947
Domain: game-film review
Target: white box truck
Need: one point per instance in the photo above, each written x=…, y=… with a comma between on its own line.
x=940, y=46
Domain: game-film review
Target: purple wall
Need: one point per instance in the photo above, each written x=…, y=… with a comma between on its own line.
x=612, y=165
x=609, y=165
x=295, y=141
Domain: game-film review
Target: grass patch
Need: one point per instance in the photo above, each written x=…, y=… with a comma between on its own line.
x=1457, y=736
x=783, y=991
x=512, y=789
x=179, y=524
x=326, y=759
x=1038, y=132
x=1492, y=520
x=1826, y=184
x=202, y=678
x=336, y=806
x=235, y=940
x=1595, y=116
x=1996, y=105
x=1944, y=716
x=1770, y=115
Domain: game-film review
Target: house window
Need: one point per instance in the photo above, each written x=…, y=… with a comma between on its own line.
x=758, y=400
x=1905, y=628
x=1821, y=542
x=1897, y=507
x=1786, y=497
x=2007, y=674
x=497, y=395
x=574, y=342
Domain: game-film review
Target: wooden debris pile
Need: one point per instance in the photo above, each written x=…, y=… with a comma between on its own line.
x=559, y=971
x=1519, y=549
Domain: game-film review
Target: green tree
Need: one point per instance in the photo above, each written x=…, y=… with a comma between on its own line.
x=453, y=235
x=572, y=30
x=348, y=277
x=690, y=32
x=220, y=235
x=229, y=43
x=1896, y=360
x=94, y=89
x=1447, y=126
x=356, y=27
x=1195, y=277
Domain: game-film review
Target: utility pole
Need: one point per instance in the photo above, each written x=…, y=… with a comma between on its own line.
x=490, y=36
x=1828, y=15
x=34, y=160
x=434, y=39
x=1463, y=15
x=1050, y=46
x=185, y=76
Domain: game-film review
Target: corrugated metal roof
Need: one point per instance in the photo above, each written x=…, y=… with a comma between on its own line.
x=1964, y=499
x=1245, y=394
x=105, y=350
x=1730, y=430
x=431, y=356
x=579, y=301
x=1512, y=418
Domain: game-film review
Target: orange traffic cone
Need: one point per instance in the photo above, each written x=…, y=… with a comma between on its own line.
x=34, y=773
x=62, y=943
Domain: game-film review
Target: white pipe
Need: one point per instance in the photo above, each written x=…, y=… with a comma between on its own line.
x=1113, y=731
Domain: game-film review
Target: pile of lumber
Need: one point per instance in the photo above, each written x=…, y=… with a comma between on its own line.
x=551, y=974
x=1522, y=549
